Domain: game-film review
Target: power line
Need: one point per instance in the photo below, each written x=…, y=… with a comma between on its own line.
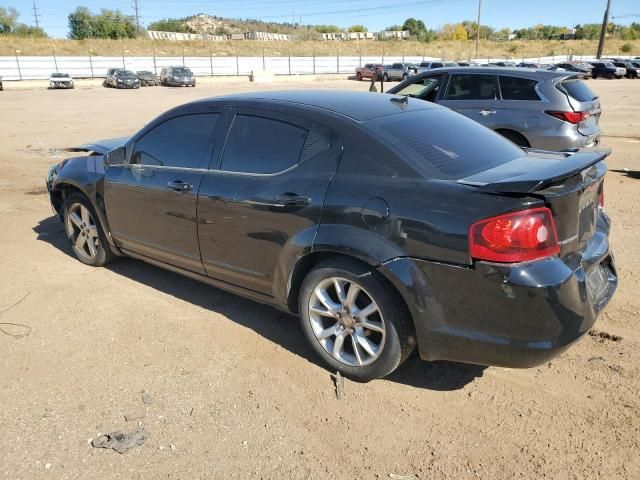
x=135, y=6
x=478, y=27
x=36, y=15
x=603, y=32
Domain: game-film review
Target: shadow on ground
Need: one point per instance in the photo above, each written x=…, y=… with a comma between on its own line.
x=629, y=173
x=280, y=328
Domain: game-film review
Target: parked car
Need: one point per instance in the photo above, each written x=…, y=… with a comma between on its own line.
x=147, y=78
x=109, y=79
x=607, y=70
x=398, y=71
x=60, y=80
x=383, y=223
x=1, y=87
x=462, y=64
x=124, y=79
x=177, y=77
x=528, y=65
x=631, y=70
x=424, y=66
x=532, y=108
x=504, y=64
x=573, y=67
x=368, y=71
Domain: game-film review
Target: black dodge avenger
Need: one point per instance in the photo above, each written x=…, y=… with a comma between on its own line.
x=383, y=223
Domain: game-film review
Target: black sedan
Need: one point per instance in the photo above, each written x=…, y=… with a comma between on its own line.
x=383, y=222
x=125, y=79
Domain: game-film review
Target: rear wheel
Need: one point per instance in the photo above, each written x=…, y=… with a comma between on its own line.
x=359, y=76
x=385, y=77
x=85, y=233
x=515, y=137
x=353, y=320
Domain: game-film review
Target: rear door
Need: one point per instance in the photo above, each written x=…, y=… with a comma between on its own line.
x=521, y=106
x=473, y=95
x=265, y=187
x=582, y=99
x=151, y=200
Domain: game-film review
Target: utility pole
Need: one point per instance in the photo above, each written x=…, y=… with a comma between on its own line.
x=478, y=27
x=603, y=32
x=36, y=15
x=135, y=7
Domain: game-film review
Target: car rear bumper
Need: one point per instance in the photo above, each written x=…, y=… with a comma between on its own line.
x=564, y=138
x=518, y=315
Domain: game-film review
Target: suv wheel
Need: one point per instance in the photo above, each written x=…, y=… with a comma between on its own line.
x=85, y=233
x=359, y=76
x=385, y=77
x=353, y=320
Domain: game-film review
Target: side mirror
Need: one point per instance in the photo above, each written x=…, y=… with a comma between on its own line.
x=115, y=157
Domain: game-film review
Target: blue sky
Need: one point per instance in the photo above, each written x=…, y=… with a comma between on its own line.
x=375, y=14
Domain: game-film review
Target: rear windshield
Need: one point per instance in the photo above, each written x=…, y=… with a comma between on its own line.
x=577, y=90
x=443, y=144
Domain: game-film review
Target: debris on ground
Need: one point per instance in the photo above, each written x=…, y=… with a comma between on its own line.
x=147, y=399
x=121, y=442
x=402, y=477
x=339, y=381
x=595, y=359
x=132, y=417
x=602, y=336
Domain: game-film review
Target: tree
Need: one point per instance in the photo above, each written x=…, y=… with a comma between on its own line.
x=22, y=30
x=107, y=24
x=8, y=18
x=393, y=28
x=327, y=29
x=172, y=25
x=626, y=48
x=358, y=28
x=454, y=31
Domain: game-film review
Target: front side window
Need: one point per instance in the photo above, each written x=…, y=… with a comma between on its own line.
x=436, y=65
x=514, y=88
x=425, y=89
x=472, y=87
x=178, y=142
x=262, y=145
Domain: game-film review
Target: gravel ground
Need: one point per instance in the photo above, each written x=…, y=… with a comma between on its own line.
x=231, y=389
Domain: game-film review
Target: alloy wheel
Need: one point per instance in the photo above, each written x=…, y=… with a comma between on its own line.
x=82, y=231
x=347, y=321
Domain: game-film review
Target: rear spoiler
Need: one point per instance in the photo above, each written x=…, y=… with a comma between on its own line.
x=535, y=170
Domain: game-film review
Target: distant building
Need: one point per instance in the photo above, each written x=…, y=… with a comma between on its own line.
x=384, y=35
x=181, y=37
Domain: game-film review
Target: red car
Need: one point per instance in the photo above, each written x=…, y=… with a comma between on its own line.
x=368, y=70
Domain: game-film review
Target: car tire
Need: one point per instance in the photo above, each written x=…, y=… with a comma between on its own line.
x=610, y=76
x=385, y=77
x=368, y=348
x=85, y=233
x=515, y=137
x=359, y=76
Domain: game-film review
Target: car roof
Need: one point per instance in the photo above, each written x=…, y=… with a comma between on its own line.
x=518, y=71
x=359, y=106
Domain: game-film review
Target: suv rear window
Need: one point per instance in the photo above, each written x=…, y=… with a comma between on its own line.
x=577, y=90
x=443, y=144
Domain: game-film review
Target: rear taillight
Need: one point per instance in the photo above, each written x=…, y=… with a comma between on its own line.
x=514, y=237
x=571, y=117
x=601, y=201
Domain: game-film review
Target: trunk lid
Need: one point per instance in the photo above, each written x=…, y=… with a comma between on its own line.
x=582, y=99
x=569, y=183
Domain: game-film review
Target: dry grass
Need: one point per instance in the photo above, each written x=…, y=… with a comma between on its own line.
x=448, y=49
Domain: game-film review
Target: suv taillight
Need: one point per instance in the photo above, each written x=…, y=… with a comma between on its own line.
x=601, y=200
x=571, y=117
x=514, y=237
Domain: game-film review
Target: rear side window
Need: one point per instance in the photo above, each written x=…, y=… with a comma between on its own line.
x=436, y=65
x=514, y=88
x=443, y=144
x=178, y=142
x=472, y=87
x=577, y=90
x=262, y=145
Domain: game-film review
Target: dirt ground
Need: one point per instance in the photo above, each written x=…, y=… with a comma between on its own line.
x=234, y=390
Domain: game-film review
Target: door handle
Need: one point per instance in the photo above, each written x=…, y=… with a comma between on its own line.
x=289, y=199
x=180, y=186
x=486, y=113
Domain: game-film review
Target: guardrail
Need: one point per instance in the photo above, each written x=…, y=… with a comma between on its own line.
x=27, y=68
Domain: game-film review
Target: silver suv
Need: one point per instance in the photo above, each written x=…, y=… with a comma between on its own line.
x=552, y=110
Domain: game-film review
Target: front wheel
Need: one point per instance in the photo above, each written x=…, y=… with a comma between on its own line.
x=385, y=77
x=353, y=320
x=85, y=233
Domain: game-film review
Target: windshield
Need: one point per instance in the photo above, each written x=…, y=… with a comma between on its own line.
x=181, y=71
x=443, y=144
x=125, y=73
x=451, y=64
x=59, y=75
x=609, y=64
x=144, y=72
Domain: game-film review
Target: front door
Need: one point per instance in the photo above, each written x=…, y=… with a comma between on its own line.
x=151, y=201
x=266, y=187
